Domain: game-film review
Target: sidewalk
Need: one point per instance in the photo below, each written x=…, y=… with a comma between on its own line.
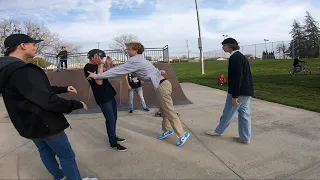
x=285, y=144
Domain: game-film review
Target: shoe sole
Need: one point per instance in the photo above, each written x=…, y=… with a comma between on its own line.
x=165, y=136
x=238, y=140
x=122, y=141
x=184, y=141
x=119, y=150
x=213, y=134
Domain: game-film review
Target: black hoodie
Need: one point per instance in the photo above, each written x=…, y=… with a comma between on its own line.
x=32, y=103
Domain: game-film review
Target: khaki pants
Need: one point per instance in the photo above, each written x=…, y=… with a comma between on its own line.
x=170, y=118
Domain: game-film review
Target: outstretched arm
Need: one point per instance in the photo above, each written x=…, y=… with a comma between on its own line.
x=59, y=90
x=126, y=68
x=32, y=85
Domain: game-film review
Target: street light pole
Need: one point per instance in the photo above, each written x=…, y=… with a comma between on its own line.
x=225, y=36
x=98, y=44
x=265, y=42
x=199, y=40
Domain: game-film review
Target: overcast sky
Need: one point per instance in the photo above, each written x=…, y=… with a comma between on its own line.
x=164, y=22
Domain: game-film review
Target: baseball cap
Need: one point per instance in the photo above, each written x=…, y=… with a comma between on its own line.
x=15, y=40
x=99, y=52
x=229, y=41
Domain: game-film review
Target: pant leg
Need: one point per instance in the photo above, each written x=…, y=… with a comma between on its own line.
x=115, y=113
x=130, y=97
x=61, y=146
x=66, y=63
x=228, y=112
x=167, y=109
x=166, y=125
x=108, y=112
x=48, y=158
x=244, y=118
x=139, y=91
x=61, y=64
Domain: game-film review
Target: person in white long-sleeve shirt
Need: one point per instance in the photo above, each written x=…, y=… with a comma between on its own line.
x=147, y=72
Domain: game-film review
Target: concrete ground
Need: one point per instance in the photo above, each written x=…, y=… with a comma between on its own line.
x=285, y=144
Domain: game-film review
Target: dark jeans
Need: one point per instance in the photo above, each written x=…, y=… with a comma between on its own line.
x=65, y=63
x=58, y=145
x=109, y=110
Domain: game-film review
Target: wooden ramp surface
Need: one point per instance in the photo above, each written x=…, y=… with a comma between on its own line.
x=77, y=79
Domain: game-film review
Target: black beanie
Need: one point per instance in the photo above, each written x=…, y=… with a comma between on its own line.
x=229, y=41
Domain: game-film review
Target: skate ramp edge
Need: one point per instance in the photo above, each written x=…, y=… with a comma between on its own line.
x=76, y=78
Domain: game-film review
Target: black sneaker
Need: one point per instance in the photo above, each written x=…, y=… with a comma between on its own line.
x=146, y=109
x=121, y=140
x=130, y=111
x=119, y=148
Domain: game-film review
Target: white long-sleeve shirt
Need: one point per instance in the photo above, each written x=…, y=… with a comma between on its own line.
x=139, y=67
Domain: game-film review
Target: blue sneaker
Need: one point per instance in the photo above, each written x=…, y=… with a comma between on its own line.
x=183, y=139
x=166, y=134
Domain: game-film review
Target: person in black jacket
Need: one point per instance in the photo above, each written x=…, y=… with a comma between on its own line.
x=104, y=95
x=239, y=93
x=297, y=63
x=63, y=55
x=34, y=107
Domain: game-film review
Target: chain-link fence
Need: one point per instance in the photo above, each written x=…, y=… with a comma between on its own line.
x=79, y=60
x=268, y=50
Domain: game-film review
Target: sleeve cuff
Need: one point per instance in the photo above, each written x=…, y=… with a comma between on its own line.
x=64, y=89
x=77, y=105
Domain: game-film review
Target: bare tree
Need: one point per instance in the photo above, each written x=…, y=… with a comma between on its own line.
x=7, y=27
x=71, y=48
x=51, y=41
x=41, y=32
x=281, y=48
x=119, y=42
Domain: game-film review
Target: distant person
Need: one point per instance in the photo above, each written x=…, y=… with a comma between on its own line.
x=35, y=109
x=239, y=93
x=63, y=55
x=108, y=63
x=222, y=80
x=297, y=63
x=147, y=72
x=104, y=95
x=134, y=85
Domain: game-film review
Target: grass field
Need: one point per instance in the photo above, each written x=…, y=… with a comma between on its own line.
x=272, y=81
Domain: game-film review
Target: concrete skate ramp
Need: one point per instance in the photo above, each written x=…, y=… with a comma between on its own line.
x=77, y=79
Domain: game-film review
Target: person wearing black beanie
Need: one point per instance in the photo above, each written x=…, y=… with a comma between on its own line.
x=239, y=93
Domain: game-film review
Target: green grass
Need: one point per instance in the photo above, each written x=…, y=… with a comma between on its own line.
x=272, y=81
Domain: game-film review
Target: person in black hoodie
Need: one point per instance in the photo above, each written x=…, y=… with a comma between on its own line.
x=63, y=55
x=34, y=107
x=239, y=93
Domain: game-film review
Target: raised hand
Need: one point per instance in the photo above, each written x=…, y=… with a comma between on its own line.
x=84, y=105
x=71, y=89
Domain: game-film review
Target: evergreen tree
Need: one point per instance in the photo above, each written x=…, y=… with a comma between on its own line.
x=312, y=33
x=297, y=45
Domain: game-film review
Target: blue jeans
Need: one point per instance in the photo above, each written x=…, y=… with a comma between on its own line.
x=139, y=91
x=109, y=110
x=58, y=145
x=244, y=118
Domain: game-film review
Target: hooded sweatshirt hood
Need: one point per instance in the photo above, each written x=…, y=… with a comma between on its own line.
x=7, y=66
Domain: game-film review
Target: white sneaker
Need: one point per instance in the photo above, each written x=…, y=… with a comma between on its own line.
x=64, y=178
x=213, y=133
x=87, y=178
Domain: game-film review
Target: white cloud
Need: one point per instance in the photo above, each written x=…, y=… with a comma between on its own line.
x=170, y=22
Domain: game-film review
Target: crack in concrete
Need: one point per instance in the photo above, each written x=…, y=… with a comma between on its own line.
x=14, y=149
x=224, y=163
